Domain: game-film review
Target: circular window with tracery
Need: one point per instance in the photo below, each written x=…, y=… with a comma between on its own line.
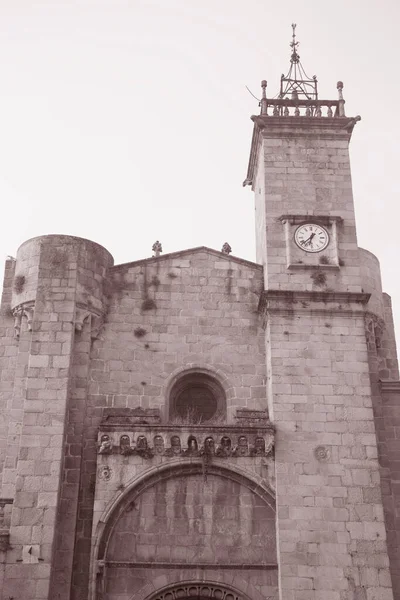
x=197, y=398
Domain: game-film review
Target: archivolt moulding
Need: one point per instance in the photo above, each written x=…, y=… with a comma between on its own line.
x=201, y=589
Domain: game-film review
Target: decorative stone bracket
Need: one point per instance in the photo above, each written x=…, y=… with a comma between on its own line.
x=374, y=330
x=25, y=310
x=83, y=315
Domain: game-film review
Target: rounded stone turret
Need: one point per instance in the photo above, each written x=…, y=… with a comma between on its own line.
x=371, y=281
x=59, y=269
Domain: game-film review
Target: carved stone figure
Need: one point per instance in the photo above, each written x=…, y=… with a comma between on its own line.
x=175, y=449
x=142, y=447
x=209, y=446
x=242, y=449
x=125, y=447
x=158, y=444
x=176, y=445
x=157, y=248
x=105, y=446
x=259, y=447
x=193, y=448
x=224, y=449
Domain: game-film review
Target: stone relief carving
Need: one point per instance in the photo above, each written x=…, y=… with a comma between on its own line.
x=23, y=310
x=81, y=315
x=105, y=445
x=193, y=447
x=242, y=448
x=162, y=445
x=142, y=447
x=224, y=449
x=105, y=472
x=175, y=449
x=125, y=447
x=322, y=453
x=159, y=445
x=96, y=321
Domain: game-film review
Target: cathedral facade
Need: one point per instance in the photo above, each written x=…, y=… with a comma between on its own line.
x=195, y=425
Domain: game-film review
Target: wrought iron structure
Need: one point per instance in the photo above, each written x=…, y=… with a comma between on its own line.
x=297, y=84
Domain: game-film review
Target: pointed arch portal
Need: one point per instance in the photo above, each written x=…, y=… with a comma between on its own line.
x=185, y=523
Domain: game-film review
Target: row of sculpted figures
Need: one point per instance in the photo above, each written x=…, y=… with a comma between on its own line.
x=224, y=448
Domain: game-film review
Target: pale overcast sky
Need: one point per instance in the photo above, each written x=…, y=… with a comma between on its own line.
x=127, y=121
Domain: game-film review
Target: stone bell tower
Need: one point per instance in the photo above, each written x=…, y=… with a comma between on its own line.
x=321, y=290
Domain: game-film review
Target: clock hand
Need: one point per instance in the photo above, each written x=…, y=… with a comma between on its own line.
x=307, y=241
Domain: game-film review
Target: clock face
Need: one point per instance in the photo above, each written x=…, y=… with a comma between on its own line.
x=311, y=237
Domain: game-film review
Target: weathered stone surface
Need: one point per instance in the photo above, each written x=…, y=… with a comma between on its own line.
x=116, y=490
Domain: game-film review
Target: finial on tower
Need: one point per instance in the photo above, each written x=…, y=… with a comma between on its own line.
x=263, y=102
x=226, y=249
x=339, y=86
x=297, y=84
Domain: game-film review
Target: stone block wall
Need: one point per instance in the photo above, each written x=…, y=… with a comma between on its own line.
x=195, y=310
x=303, y=170
x=330, y=522
x=92, y=336
x=52, y=292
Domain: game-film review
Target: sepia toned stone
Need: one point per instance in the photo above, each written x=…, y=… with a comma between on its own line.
x=198, y=425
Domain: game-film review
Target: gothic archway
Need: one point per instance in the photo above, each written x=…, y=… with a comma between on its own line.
x=196, y=590
x=174, y=521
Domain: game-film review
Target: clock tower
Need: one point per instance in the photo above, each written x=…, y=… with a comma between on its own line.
x=323, y=306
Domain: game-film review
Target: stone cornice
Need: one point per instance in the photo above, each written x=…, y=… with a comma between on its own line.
x=323, y=219
x=188, y=565
x=195, y=429
x=287, y=302
x=334, y=127
x=293, y=127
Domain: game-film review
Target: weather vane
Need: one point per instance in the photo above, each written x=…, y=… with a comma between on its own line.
x=293, y=44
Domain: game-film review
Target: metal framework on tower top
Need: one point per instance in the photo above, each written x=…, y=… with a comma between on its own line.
x=297, y=84
x=298, y=95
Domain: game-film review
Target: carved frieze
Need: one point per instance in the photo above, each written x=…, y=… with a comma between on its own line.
x=187, y=442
